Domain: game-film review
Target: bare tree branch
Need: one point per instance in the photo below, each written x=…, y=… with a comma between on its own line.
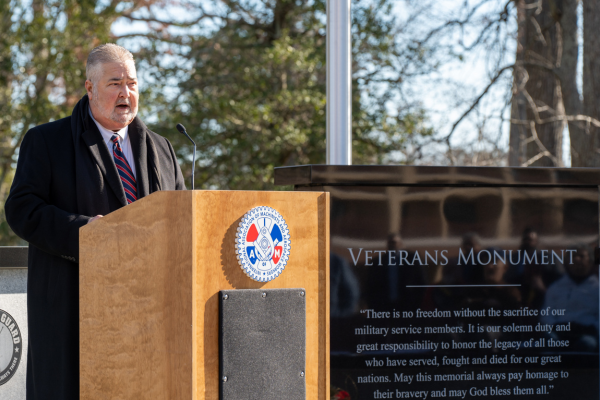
x=476, y=102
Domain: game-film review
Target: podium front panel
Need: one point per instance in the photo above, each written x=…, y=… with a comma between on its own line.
x=150, y=276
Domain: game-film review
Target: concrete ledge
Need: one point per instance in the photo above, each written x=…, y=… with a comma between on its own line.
x=13, y=257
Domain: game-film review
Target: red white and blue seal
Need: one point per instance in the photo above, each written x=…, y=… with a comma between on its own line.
x=263, y=244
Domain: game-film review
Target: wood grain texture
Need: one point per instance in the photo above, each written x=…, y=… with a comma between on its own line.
x=217, y=269
x=324, y=285
x=150, y=275
x=136, y=301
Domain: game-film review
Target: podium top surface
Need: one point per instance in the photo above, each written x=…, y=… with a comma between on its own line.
x=401, y=175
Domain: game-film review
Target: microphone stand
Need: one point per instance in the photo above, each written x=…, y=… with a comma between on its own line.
x=181, y=129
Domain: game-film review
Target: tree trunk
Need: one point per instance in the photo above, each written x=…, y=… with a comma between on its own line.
x=518, y=112
x=567, y=73
x=536, y=93
x=585, y=142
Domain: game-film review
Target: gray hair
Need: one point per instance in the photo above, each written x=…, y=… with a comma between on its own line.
x=105, y=53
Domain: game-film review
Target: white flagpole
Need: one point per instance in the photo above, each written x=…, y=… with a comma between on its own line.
x=339, y=83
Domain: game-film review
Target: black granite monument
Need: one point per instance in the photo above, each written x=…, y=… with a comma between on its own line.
x=461, y=282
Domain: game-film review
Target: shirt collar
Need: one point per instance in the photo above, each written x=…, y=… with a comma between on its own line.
x=107, y=134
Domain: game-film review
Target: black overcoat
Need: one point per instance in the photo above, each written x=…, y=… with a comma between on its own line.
x=65, y=175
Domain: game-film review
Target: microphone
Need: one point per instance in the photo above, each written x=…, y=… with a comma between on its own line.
x=181, y=129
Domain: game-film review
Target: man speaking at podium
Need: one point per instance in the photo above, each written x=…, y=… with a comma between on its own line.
x=69, y=173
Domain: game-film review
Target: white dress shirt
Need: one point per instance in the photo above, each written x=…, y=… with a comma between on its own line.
x=124, y=141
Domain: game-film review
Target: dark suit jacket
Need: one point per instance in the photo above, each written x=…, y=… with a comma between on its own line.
x=47, y=204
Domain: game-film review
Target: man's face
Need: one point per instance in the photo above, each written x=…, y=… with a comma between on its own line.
x=114, y=97
x=469, y=243
x=394, y=242
x=581, y=267
x=494, y=273
x=530, y=240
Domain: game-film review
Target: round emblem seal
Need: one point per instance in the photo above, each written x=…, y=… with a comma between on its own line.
x=11, y=347
x=262, y=244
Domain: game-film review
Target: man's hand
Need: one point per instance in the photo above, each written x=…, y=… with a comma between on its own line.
x=95, y=218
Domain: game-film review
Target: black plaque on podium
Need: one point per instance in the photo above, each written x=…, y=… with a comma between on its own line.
x=262, y=339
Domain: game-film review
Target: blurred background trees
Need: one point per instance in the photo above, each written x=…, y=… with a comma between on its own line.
x=250, y=86
x=43, y=48
x=544, y=57
x=247, y=79
x=546, y=94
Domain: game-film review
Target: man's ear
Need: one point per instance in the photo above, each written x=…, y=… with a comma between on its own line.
x=88, y=87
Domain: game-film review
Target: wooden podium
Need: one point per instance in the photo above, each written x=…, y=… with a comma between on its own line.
x=150, y=274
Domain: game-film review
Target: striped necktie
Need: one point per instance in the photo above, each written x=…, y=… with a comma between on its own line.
x=125, y=171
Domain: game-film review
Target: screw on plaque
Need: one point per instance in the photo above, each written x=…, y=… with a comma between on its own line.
x=302, y=374
x=302, y=293
x=225, y=297
x=264, y=294
x=224, y=379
